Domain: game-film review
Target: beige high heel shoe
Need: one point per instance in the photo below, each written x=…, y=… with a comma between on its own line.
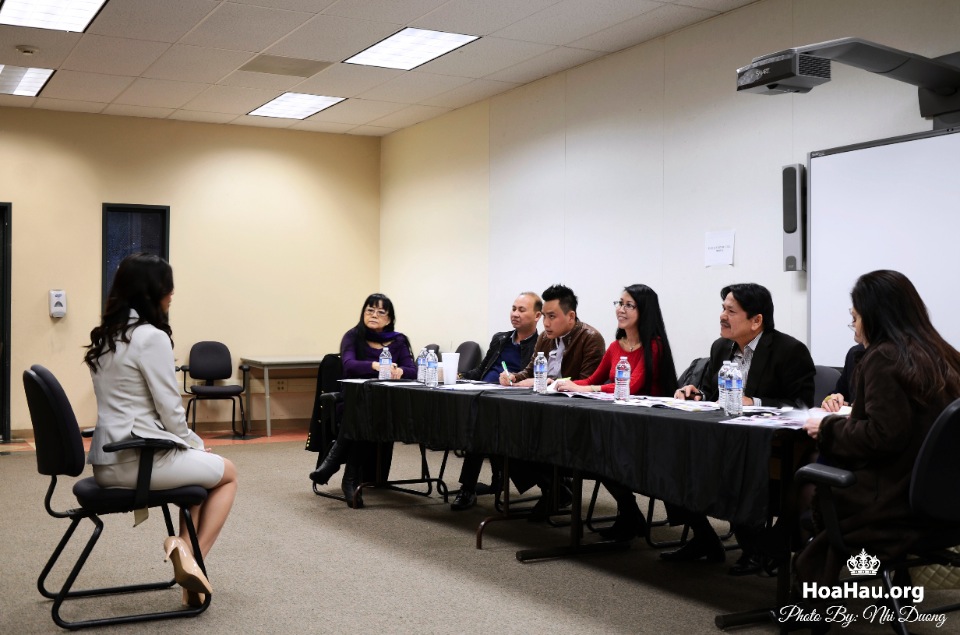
x=186, y=571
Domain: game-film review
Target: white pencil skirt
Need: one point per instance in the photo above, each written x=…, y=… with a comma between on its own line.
x=171, y=468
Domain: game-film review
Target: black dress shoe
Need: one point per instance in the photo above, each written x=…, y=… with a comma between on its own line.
x=699, y=548
x=625, y=527
x=746, y=564
x=350, y=484
x=483, y=489
x=544, y=507
x=464, y=500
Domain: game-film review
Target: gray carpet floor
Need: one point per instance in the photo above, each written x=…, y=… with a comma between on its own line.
x=292, y=562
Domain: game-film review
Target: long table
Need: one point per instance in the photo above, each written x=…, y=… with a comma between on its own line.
x=691, y=459
x=280, y=362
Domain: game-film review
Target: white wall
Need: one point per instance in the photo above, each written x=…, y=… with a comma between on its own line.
x=614, y=171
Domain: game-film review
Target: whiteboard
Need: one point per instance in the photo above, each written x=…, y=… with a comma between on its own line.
x=890, y=204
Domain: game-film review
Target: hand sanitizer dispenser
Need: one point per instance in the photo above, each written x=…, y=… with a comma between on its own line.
x=58, y=303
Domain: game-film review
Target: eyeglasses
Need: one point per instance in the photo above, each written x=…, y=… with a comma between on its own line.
x=620, y=304
x=380, y=313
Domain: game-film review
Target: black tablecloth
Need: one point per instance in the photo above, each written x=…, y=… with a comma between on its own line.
x=686, y=458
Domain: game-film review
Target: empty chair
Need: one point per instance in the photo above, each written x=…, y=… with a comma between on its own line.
x=210, y=362
x=824, y=383
x=435, y=348
x=470, y=356
x=60, y=452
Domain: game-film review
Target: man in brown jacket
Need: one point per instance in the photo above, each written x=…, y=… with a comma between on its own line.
x=573, y=349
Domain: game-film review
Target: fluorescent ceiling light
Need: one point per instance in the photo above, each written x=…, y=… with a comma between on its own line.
x=295, y=106
x=410, y=48
x=59, y=15
x=16, y=80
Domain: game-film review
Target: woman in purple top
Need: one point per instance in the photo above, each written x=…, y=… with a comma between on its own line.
x=360, y=351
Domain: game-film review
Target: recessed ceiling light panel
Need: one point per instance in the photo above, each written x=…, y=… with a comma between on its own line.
x=295, y=106
x=58, y=15
x=410, y=48
x=16, y=80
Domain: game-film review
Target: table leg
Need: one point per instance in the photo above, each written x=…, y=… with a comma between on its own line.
x=266, y=395
x=248, y=416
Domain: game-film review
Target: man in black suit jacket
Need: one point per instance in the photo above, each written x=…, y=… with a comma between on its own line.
x=778, y=371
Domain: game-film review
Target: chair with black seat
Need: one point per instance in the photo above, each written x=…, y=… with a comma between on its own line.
x=60, y=452
x=934, y=496
x=324, y=425
x=210, y=362
x=435, y=348
x=824, y=382
x=470, y=356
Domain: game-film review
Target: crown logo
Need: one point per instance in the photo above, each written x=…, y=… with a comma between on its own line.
x=863, y=564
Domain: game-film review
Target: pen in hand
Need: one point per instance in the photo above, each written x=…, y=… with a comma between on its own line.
x=504, y=364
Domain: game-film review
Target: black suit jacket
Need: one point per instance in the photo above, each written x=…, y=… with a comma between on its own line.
x=781, y=373
x=493, y=353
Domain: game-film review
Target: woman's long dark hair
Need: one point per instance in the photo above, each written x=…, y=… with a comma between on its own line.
x=892, y=311
x=142, y=281
x=651, y=328
x=377, y=301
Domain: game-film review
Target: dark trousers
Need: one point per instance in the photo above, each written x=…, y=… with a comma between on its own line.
x=472, y=464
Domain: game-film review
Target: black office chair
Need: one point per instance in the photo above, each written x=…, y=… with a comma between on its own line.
x=824, y=383
x=435, y=348
x=934, y=495
x=324, y=425
x=470, y=356
x=210, y=362
x=60, y=452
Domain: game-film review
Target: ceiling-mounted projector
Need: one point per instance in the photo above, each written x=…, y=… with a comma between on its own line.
x=798, y=70
x=784, y=72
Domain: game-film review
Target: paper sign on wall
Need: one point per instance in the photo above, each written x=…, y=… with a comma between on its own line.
x=718, y=248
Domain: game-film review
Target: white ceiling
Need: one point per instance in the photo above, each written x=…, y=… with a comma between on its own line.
x=180, y=59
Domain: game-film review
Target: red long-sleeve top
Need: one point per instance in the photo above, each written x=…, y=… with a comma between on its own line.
x=607, y=370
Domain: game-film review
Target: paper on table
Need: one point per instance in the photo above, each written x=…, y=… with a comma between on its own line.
x=475, y=386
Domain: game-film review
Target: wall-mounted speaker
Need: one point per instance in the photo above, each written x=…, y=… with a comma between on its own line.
x=794, y=217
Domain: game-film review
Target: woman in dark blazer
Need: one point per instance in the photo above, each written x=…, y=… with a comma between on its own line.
x=906, y=377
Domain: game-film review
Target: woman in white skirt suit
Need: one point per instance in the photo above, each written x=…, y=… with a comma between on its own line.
x=131, y=360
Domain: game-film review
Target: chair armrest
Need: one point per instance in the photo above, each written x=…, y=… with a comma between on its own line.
x=186, y=371
x=826, y=475
x=87, y=432
x=132, y=444
x=245, y=367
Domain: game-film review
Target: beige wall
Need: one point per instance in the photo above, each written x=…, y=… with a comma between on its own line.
x=615, y=170
x=433, y=227
x=274, y=235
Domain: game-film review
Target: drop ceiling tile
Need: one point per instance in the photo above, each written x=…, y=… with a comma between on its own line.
x=16, y=101
x=241, y=27
x=250, y=79
x=648, y=26
x=52, y=46
x=484, y=56
x=230, y=99
x=80, y=86
x=196, y=64
x=264, y=122
x=159, y=93
x=202, y=117
x=559, y=59
x=307, y=6
x=383, y=10
x=480, y=18
x=113, y=55
x=155, y=20
x=322, y=126
x=414, y=87
x=346, y=80
x=356, y=111
x=572, y=20
x=372, y=131
x=409, y=116
x=330, y=38
x=123, y=110
x=477, y=90
x=71, y=105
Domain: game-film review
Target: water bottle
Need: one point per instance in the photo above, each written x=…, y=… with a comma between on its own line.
x=430, y=374
x=722, y=385
x=540, y=374
x=621, y=388
x=422, y=365
x=735, y=391
x=386, y=363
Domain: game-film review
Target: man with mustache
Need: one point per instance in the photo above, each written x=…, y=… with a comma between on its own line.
x=777, y=371
x=512, y=350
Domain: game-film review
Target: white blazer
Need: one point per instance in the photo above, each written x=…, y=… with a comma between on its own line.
x=137, y=396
